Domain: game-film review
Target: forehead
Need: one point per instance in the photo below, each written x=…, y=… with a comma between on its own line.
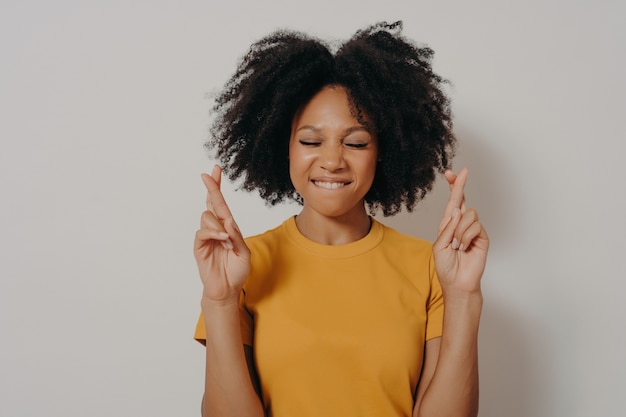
x=330, y=106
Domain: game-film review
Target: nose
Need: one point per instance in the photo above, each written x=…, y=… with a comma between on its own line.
x=331, y=158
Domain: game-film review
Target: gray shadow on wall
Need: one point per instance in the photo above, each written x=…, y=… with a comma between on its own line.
x=505, y=364
x=491, y=189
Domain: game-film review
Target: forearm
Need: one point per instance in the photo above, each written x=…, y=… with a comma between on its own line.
x=453, y=390
x=228, y=388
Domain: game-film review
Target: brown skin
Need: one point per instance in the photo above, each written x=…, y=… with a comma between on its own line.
x=223, y=262
x=460, y=253
x=332, y=162
x=328, y=145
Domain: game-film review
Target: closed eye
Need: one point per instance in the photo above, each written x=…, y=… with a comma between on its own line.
x=357, y=145
x=309, y=142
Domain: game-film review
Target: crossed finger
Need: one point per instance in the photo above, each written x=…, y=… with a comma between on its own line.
x=457, y=191
x=215, y=202
x=217, y=215
x=456, y=201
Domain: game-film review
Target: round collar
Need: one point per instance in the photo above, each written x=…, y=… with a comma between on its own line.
x=358, y=247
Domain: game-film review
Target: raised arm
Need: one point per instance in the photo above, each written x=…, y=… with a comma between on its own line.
x=224, y=263
x=449, y=383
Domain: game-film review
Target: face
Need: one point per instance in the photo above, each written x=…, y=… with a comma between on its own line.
x=332, y=156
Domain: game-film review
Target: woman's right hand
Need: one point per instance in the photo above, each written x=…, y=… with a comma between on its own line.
x=219, y=248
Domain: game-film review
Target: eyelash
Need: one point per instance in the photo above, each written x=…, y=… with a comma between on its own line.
x=351, y=145
x=307, y=143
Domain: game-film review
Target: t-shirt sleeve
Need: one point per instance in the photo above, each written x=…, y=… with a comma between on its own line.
x=434, y=321
x=245, y=320
x=200, y=333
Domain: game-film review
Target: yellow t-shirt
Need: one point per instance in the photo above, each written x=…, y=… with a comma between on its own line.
x=339, y=330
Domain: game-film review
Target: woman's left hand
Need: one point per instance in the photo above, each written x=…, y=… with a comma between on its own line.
x=460, y=250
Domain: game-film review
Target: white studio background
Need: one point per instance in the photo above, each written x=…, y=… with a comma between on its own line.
x=103, y=113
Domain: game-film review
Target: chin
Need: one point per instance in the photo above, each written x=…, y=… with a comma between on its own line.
x=334, y=211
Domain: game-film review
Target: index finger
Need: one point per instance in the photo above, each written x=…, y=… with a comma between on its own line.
x=457, y=193
x=215, y=200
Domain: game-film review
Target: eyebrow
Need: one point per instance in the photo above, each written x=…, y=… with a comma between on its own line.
x=347, y=131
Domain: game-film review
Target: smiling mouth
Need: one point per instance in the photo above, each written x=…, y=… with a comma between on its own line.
x=330, y=185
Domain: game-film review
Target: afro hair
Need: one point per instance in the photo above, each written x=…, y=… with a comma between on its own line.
x=387, y=77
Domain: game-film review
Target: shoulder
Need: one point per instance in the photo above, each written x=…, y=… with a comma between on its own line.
x=400, y=240
x=266, y=248
x=267, y=251
x=406, y=252
x=267, y=240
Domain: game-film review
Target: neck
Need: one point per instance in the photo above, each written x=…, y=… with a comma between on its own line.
x=338, y=230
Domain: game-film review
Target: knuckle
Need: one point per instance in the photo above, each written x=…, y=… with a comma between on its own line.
x=208, y=220
x=204, y=218
x=471, y=214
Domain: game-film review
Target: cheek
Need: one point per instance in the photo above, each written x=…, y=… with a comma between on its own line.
x=297, y=167
x=368, y=167
x=300, y=159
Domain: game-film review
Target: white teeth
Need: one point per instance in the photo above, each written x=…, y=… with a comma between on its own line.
x=329, y=185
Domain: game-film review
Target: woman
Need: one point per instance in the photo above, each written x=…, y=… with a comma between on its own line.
x=333, y=313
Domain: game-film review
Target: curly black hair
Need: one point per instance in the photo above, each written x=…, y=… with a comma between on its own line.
x=387, y=77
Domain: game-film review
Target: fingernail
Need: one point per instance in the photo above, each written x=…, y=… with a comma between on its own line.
x=223, y=234
x=461, y=247
x=455, y=243
x=229, y=244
